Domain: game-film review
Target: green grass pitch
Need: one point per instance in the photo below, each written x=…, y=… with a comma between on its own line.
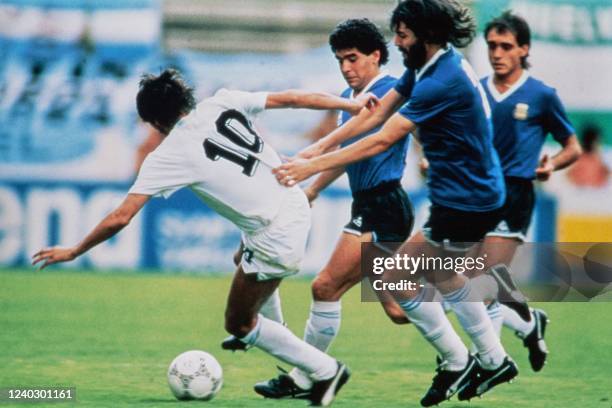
x=112, y=336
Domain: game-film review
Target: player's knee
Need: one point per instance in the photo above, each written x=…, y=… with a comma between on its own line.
x=397, y=316
x=238, y=325
x=324, y=289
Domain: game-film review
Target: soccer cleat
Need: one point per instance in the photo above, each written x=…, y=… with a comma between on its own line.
x=446, y=383
x=483, y=380
x=323, y=392
x=508, y=292
x=281, y=387
x=534, y=341
x=233, y=343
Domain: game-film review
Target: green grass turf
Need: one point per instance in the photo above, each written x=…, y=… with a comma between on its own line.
x=112, y=336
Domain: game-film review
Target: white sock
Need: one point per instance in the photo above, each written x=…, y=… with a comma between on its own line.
x=271, y=308
x=515, y=322
x=474, y=319
x=431, y=321
x=485, y=287
x=495, y=314
x=322, y=327
x=496, y=318
x=277, y=340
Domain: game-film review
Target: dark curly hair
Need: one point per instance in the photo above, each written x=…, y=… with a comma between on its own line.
x=162, y=99
x=436, y=21
x=361, y=34
x=509, y=22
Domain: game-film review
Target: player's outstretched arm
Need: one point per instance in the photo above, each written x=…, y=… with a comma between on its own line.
x=569, y=154
x=295, y=171
x=362, y=123
x=109, y=226
x=295, y=98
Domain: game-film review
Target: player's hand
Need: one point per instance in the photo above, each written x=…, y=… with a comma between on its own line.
x=50, y=256
x=311, y=194
x=367, y=100
x=291, y=173
x=545, y=168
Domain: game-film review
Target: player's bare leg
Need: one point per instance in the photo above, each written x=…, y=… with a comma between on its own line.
x=342, y=272
x=242, y=320
x=270, y=308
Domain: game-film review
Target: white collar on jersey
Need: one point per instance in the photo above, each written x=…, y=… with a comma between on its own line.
x=433, y=60
x=501, y=96
x=370, y=84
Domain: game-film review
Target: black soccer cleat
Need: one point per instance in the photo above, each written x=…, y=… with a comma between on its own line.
x=446, y=383
x=323, y=392
x=281, y=387
x=534, y=341
x=508, y=293
x=233, y=343
x=483, y=380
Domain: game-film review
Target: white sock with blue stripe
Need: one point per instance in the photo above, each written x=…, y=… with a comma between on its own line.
x=322, y=327
x=473, y=317
x=430, y=319
x=277, y=340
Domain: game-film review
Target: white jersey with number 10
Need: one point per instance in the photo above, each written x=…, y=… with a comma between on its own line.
x=216, y=152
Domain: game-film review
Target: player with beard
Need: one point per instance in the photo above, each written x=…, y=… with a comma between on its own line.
x=439, y=95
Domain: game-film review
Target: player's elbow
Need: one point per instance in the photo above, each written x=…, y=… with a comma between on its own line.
x=120, y=219
x=576, y=151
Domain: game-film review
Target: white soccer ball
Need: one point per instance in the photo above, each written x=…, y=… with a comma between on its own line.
x=195, y=375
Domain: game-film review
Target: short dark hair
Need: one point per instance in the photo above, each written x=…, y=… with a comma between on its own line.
x=590, y=137
x=362, y=34
x=162, y=99
x=436, y=21
x=515, y=24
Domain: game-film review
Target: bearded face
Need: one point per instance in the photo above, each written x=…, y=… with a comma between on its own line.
x=412, y=48
x=415, y=55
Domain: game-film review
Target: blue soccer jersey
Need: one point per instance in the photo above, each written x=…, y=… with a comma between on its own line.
x=386, y=166
x=451, y=111
x=522, y=118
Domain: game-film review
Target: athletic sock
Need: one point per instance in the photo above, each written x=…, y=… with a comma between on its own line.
x=495, y=314
x=321, y=329
x=472, y=316
x=515, y=322
x=497, y=319
x=271, y=308
x=277, y=340
x=430, y=320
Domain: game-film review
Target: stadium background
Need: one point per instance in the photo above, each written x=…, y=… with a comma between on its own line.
x=68, y=135
x=68, y=127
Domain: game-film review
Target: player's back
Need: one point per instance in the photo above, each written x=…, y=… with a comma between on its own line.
x=217, y=153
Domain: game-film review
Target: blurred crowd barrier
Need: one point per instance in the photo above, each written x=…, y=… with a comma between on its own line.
x=69, y=73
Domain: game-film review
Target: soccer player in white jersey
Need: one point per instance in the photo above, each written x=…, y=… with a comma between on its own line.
x=212, y=148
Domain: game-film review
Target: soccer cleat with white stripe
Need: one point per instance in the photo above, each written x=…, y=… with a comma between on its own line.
x=323, y=392
x=483, y=380
x=534, y=341
x=446, y=383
